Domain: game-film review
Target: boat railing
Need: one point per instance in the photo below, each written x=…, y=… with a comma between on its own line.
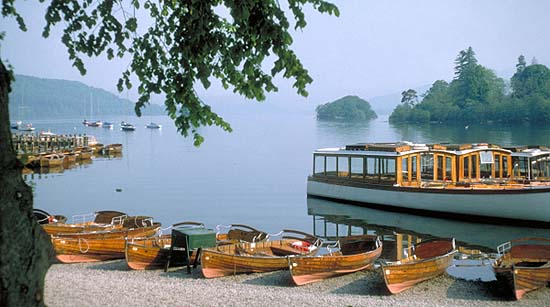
x=503, y=248
x=83, y=218
x=331, y=246
x=118, y=220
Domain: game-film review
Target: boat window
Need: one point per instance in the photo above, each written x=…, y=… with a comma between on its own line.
x=520, y=167
x=427, y=166
x=319, y=165
x=497, y=167
x=331, y=166
x=448, y=169
x=343, y=166
x=486, y=157
x=413, y=167
x=541, y=167
x=371, y=166
x=388, y=170
x=357, y=167
x=486, y=170
x=405, y=169
x=466, y=172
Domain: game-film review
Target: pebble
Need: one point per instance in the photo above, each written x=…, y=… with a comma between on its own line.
x=113, y=284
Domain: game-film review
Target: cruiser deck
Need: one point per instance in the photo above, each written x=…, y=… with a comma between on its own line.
x=480, y=180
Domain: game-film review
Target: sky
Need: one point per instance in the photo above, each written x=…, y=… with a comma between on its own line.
x=374, y=48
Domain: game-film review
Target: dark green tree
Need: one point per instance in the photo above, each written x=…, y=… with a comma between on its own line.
x=409, y=97
x=183, y=44
x=350, y=108
x=520, y=66
x=534, y=79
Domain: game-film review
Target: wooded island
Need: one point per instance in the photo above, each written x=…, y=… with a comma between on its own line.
x=346, y=108
x=477, y=95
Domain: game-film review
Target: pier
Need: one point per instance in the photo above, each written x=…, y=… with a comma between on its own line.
x=35, y=143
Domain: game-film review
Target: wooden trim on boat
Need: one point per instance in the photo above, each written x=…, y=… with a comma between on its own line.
x=359, y=254
x=430, y=259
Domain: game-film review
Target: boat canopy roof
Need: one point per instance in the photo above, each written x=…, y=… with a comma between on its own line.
x=405, y=148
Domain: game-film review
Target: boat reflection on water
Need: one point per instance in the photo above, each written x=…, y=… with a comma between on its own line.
x=476, y=242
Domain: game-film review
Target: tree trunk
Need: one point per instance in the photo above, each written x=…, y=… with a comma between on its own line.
x=25, y=250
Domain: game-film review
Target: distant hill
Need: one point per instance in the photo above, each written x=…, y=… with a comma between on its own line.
x=346, y=108
x=384, y=105
x=38, y=98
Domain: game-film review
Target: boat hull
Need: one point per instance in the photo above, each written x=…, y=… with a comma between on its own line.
x=305, y=270
x=524, y=268
x=514, y=204
x=96, y=246
x=400, y=276
x=152, y=254
x=226, y=260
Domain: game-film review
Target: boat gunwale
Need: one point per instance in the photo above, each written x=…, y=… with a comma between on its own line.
x=359, y=183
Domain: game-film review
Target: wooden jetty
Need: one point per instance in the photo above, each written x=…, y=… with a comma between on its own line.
x=34, y=143
x=32, y=147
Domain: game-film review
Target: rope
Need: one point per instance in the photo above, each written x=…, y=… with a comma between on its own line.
x=80, y=245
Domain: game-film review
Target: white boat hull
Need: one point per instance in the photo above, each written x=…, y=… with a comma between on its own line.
x=526, y=204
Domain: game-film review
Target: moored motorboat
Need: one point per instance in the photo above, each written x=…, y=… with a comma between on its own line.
x=127, y=127
x=96, y=123
x=523, y=265
x=265, y=256
x=152, y=125
x=350, y=254
x=16, y=125
x=429, y=259
x=473, y=181
x=108, y=125
x=27, y=127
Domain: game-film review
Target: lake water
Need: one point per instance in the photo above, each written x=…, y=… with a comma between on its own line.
x=256, y=175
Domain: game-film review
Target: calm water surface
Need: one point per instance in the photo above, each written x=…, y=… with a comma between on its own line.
x=255, y=175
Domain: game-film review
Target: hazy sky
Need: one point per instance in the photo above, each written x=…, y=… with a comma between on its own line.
x=373, y=48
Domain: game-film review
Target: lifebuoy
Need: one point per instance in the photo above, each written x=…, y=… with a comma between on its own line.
x=301, y=245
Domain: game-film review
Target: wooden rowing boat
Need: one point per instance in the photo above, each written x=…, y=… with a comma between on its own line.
x=152, y=253
x=355, y=253
x=428, y=260
x=266, y=256
x=98, y=246
x=112, y=149
x=52, y=160
x=102, y=220
x=523, y=265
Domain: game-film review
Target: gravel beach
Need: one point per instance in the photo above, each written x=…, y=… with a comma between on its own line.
x=113, y=284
